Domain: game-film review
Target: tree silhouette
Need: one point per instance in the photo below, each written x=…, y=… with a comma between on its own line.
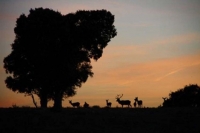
x=189, y=96
x=51, y=54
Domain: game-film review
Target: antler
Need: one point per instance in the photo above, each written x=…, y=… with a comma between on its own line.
x=118, y=96
x=121, y=96
x=164, y=98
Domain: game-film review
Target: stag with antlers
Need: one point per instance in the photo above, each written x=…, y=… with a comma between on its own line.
x=76, y=104
x=123, y=102
x=139, y=102
x=108, y=103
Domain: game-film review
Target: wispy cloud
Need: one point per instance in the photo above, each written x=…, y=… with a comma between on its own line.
x=170, y=73
x=130, y=72
x=196, y=63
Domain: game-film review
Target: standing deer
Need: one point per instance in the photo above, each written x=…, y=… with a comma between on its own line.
x=108, y=103
x=86, y=105
x=123, y=102
x=135, y=104
x=76, y=104
x=139, y=102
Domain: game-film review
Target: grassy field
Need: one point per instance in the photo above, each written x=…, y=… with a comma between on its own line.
x=100, y=120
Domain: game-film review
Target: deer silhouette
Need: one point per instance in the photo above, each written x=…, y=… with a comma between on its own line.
x=108, y=103
x=135, y=104
x=86, y=105
x=139, y=102
x=164, y=98
x=165, y=102
x=123, y=102
x=76, y=104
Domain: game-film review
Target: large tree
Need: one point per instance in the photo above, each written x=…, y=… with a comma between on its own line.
x=189, y=96
x=51, y=54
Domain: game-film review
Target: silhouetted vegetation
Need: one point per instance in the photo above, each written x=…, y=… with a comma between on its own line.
x=51, y=54
x=34, y=102
x=100, y=120
x=15, y=106
x=189, y=96
x=96, y=106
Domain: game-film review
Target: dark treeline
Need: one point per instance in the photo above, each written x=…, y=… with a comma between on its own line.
x=189, y=96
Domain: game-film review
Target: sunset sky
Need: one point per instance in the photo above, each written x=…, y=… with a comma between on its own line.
x=156, y=50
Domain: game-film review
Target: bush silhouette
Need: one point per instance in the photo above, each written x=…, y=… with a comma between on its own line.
x=189, y=96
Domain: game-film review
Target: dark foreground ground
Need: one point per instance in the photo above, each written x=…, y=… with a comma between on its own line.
x=100, y=120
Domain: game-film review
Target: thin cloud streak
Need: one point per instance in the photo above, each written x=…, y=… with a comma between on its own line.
x=170, y=73
x=177, y=70
x=149, y=71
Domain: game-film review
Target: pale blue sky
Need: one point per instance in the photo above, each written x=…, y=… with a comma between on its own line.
x=156, y=39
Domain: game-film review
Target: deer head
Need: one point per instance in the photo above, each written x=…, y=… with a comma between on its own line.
x=118, y=97
x=136, y=99
x=164, y=98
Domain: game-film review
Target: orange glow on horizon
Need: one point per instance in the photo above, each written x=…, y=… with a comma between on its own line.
x=149, y=81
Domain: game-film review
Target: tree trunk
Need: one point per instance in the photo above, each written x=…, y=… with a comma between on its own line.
x=58, y=100
x=35, y=103
x=43, y=99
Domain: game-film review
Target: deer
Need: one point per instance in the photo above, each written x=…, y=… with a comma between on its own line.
x=135, y=104
x=139, y=102
x=164, y=98
x=86, y=105
x=108, y=103
x=123, y=102
x=165, y=102
x=76, y=104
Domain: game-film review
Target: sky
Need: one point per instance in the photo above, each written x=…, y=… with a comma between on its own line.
x=156, y=50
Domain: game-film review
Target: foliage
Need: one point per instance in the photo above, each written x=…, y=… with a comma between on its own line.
x=95, y=106
x=189, y=96
x=15, y=106
x=51, y=54
x=101, y=120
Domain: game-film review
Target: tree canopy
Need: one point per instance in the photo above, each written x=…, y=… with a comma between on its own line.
x=51, y=54
x=189, y=96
